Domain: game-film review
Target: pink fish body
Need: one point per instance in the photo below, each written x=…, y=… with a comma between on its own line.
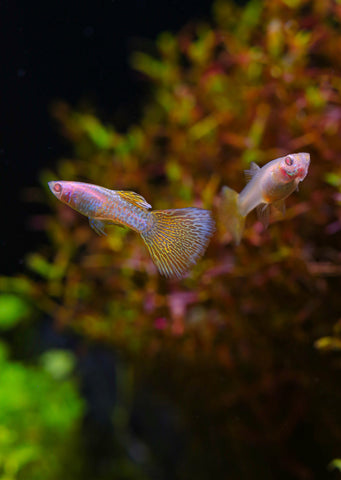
x=175, y=238
x=271, y=184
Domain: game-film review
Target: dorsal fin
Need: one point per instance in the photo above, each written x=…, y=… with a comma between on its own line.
x=133, y=198
x=251, y=172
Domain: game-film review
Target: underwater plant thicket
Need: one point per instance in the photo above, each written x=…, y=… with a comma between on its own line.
x=249, y=337
x=40, y=412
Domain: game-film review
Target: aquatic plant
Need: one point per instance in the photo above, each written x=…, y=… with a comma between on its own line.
x=236, y=337
x=40, y=410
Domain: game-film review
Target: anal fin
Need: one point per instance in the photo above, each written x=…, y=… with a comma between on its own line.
x=97, y=225
x=280, y=205
x=263, y=213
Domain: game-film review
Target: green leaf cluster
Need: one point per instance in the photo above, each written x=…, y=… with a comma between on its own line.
x=39, y=414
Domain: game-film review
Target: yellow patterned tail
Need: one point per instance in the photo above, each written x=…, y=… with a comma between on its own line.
x=178, y=238
x=229, y=214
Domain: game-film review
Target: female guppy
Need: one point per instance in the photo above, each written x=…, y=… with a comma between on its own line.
x=271, y=184
x=176, y=238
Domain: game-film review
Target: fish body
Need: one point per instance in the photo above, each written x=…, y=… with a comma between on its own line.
x=175, y=238
x=271, y=184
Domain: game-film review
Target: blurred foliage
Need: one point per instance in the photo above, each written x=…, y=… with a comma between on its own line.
x=38, y=420
x=12, y=310
x=335, y=464
x=232, y=344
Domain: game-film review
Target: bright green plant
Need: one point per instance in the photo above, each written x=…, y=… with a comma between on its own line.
x=39, y=413
x=40, y=407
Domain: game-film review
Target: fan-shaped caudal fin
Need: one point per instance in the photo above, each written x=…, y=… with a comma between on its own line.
x=230, y=215
x=178, y=238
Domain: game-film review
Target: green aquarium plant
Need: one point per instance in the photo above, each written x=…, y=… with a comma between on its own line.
x=40, y=408
x=39, y=418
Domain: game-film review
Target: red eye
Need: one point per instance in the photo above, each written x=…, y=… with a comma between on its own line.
x=289, y=161
x=57, y=187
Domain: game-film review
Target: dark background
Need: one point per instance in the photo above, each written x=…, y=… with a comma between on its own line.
x=71, y=51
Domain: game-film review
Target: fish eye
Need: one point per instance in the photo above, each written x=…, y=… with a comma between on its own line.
x=289, y=161
x=57, y=187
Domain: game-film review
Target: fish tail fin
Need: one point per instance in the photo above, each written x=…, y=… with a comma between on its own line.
x=230, y=214
x=178, y=238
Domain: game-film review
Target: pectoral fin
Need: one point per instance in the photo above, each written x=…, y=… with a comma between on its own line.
x=97, y=225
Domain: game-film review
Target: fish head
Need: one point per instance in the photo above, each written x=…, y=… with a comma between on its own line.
x=62, y=190
x=293, y=167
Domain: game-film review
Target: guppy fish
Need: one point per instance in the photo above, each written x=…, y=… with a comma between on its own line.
x=176, y=238
x=271, y=184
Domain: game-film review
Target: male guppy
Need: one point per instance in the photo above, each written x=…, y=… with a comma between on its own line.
x=271, y=184
x=175, y=238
